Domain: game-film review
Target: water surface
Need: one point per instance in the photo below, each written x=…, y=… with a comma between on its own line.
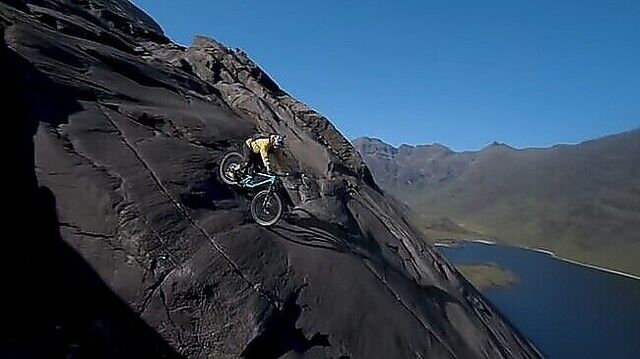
x=566, y=310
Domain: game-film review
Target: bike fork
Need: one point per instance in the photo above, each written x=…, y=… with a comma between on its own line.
x=266, y=198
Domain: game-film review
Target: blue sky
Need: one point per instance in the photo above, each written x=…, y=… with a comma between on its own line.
x=460, y=73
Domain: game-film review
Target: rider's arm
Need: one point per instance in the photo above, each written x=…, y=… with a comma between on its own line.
x=265, y=159
x=264, y=153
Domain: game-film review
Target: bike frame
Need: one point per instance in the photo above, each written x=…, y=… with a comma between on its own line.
x=266, y=205
x=267, y=179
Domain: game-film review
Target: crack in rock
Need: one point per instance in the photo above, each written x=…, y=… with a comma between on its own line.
x=272, y=299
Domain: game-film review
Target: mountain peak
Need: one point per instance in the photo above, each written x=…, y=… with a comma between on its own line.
x=371, y=145
x=435, y=148
x=497, y=146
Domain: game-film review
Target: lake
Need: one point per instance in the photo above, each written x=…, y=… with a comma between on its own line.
x=566, y=310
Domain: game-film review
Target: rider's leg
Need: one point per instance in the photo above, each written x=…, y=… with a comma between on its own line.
x=254, y=162
x=247, y=154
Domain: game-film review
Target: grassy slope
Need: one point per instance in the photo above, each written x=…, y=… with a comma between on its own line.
x=484, y=276
x=581, y=201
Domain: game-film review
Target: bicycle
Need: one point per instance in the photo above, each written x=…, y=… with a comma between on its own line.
x=266, y=205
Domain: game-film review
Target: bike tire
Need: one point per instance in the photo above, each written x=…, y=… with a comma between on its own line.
x=256, y=208
x=229, y=159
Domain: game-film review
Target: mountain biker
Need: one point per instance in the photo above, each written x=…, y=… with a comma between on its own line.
x=257, y=149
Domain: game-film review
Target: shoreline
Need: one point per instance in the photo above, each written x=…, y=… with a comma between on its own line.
x=612, y=271
x=548, y=253
x=483, y=241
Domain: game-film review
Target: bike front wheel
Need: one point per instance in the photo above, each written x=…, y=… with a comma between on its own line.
x=266, y=208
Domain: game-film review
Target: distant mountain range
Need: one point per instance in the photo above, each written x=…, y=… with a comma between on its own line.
x=581, y=201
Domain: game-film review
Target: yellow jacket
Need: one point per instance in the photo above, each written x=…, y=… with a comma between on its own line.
x=261, y=146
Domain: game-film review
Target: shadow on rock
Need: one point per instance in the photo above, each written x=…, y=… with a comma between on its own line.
x=280, y=335
x=308, y=230
x=211, y=194
x=56, y=305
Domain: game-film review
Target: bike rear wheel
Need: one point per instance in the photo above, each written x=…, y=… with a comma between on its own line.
x=266, y=208
x=230, y=166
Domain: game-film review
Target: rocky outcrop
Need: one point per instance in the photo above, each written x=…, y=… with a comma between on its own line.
x=135, y=249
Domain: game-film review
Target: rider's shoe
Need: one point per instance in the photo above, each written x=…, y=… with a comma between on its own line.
x=236, y=175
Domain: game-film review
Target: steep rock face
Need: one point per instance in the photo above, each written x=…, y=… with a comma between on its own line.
x=135, y=249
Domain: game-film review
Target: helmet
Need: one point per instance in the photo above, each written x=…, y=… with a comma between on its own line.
x=277, y=141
